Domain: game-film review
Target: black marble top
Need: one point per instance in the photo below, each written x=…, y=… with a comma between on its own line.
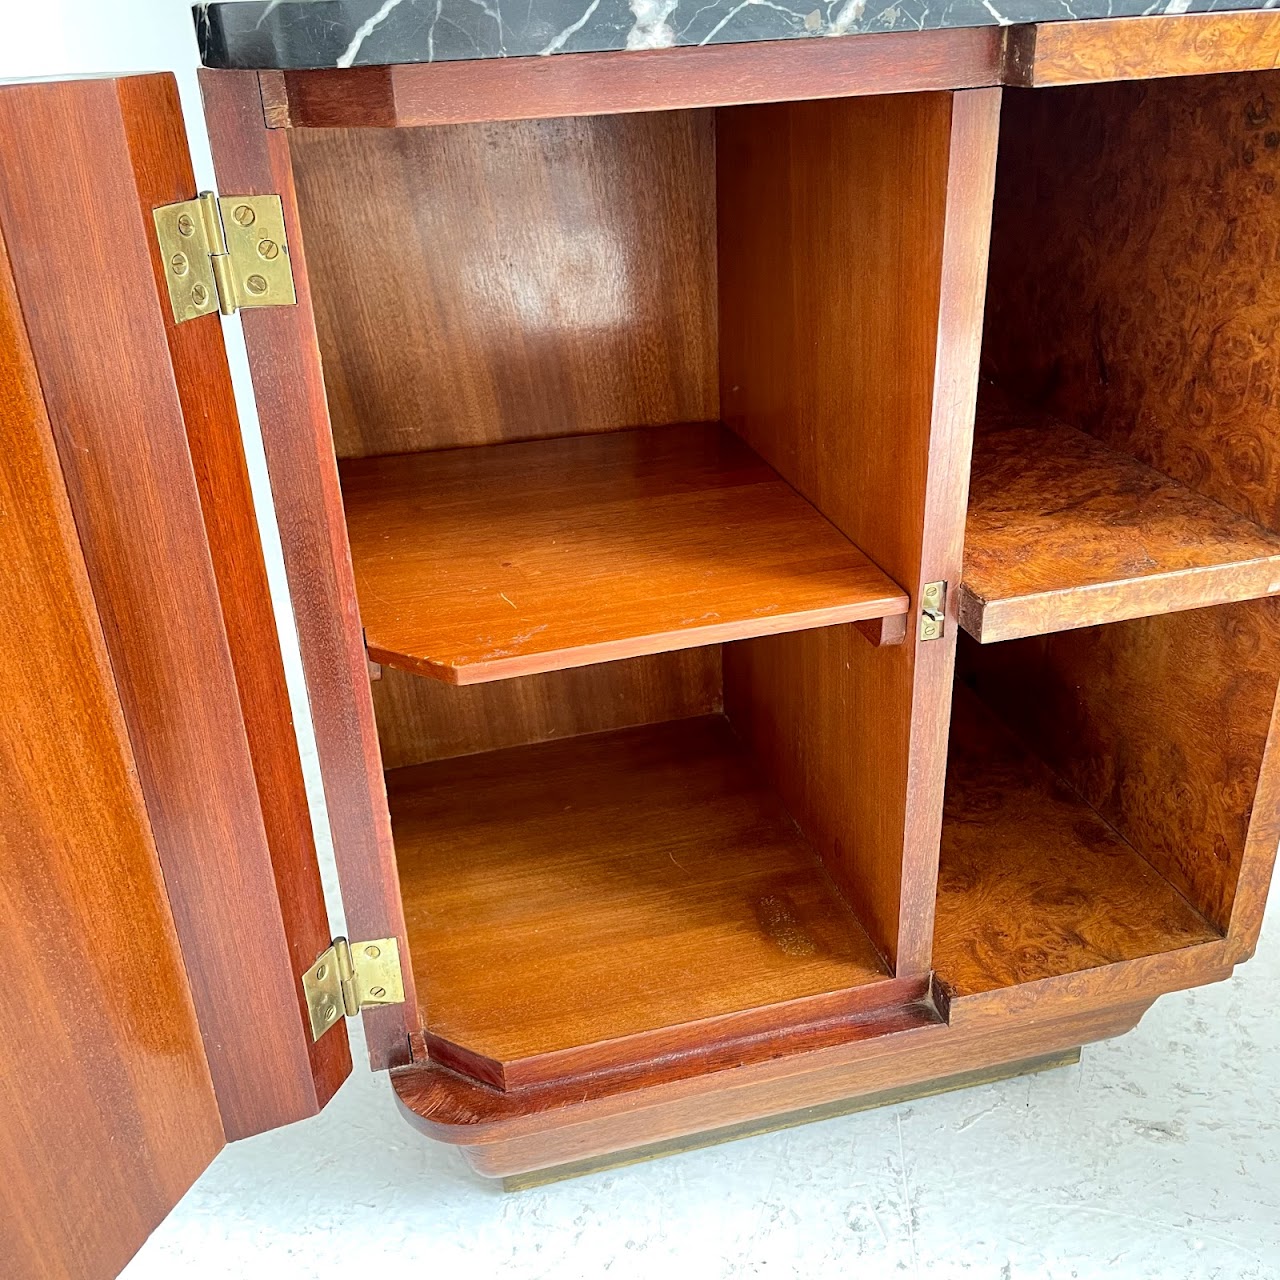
x=350, y=33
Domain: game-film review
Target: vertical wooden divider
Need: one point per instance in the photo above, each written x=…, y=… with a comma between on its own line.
x=284, y=360
x=853, y=252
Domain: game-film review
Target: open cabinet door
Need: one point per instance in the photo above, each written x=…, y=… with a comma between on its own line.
x=159, y=891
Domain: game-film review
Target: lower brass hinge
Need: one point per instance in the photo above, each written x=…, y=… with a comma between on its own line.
x=224, y=253
x=933, y=610
x=350, y=976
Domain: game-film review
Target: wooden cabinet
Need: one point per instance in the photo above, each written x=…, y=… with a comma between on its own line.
x=784, y=542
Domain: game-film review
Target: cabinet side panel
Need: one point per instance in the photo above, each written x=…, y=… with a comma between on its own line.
x=107, y=1111
x=95, y=321
x=162, y=174
x=494, y=282
x=284, y=359
x=852, y=257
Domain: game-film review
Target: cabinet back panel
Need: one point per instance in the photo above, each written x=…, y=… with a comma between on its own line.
x=511, y=281
x=1133, y=288
x=420, y=719
x=1160, y=723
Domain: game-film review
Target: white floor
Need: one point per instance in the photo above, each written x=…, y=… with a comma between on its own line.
x=1158, y=1156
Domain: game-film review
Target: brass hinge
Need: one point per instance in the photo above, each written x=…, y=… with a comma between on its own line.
x=224, y=253
x=350, y=976
x=933, y=609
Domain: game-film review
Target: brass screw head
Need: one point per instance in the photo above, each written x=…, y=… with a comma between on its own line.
x=378, y=992
x=244, y=215
x=328, y=1011
x=268, y=249
x=199, y=294
x=186, y=227
x=256, y=284
x=372, y=952
x=321, y=971
x=179, y=264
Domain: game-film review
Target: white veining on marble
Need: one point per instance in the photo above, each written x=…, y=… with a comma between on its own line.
x=651, y=30
x=558, y=43
x=364, y=30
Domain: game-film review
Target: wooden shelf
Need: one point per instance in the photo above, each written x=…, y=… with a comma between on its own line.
x=576, y=905
x=478, y=564
x=1032, y=883
x=1065, y=532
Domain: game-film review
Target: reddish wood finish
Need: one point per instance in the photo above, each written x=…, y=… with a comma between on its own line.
x=628, y=894
x=804, y=350
x=162, y=174
x=107, y=1111
x=118, y=423
x=1032, y=883
x=289, y=388
x=421, y=720
x=1161, y=724
x=1064, y=532
x=549, y=277
x=646, y=80
x=540, y=1127
x=1189, y=44
x=479, y=564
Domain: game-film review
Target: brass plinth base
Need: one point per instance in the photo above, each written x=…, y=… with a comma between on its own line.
x=790, y=1119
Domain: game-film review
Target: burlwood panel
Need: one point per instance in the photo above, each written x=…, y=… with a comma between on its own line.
x=634, y=80
x=1161, y=724
x=97, y=325
x=107, y=1110
x=284, y=360
x=1188, y=44
x=857, y=384
x=162, y=174
x=1133, y=291
x=421, y=720
x=511, y=281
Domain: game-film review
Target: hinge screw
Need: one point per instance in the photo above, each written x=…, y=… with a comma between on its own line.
x=256, y=284
x=372, y=952
x=322, y=972
x=268, y=249
x=199, y=294
x=378, y=992
x=186, y=226
x=179, y=264
x=244, y=215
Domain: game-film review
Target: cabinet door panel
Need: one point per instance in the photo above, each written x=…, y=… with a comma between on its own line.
x=107, y=1109
x=144, y=425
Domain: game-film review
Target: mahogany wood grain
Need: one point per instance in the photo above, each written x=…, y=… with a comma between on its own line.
x=1161, y=724
x=540, y=1127
x=107, y=1110
x=589, y=84
x=119, y=426
x=805, y=351
x=479, y=564
x=421, y=720
x=1187, y=44
x=1132, y=293
x=162, y=174
x=1064, y=532
x=573, y=896
x=547, y=278
x=284, y=360
x=1032, y=883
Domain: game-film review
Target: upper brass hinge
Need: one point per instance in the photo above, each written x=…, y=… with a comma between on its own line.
x=223, y=253
x=350, y=976
x=933, y=610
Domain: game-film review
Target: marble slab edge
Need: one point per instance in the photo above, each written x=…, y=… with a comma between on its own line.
x=290, y=35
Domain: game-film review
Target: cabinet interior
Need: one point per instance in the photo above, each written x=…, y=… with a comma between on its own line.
x=633, y=415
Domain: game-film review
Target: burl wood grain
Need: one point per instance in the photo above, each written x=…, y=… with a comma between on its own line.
x=1032, y=883
x=1133, y=291
x=1161, y=724
x=856, y=382
x=636, y=80
x=284, y=360
x=107, y=1110
x=478, y=564
x=540, y=278
x=571, y=893
x=421, y=719
x=119, y=424
x=1189, y=44
x=1065, y=532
